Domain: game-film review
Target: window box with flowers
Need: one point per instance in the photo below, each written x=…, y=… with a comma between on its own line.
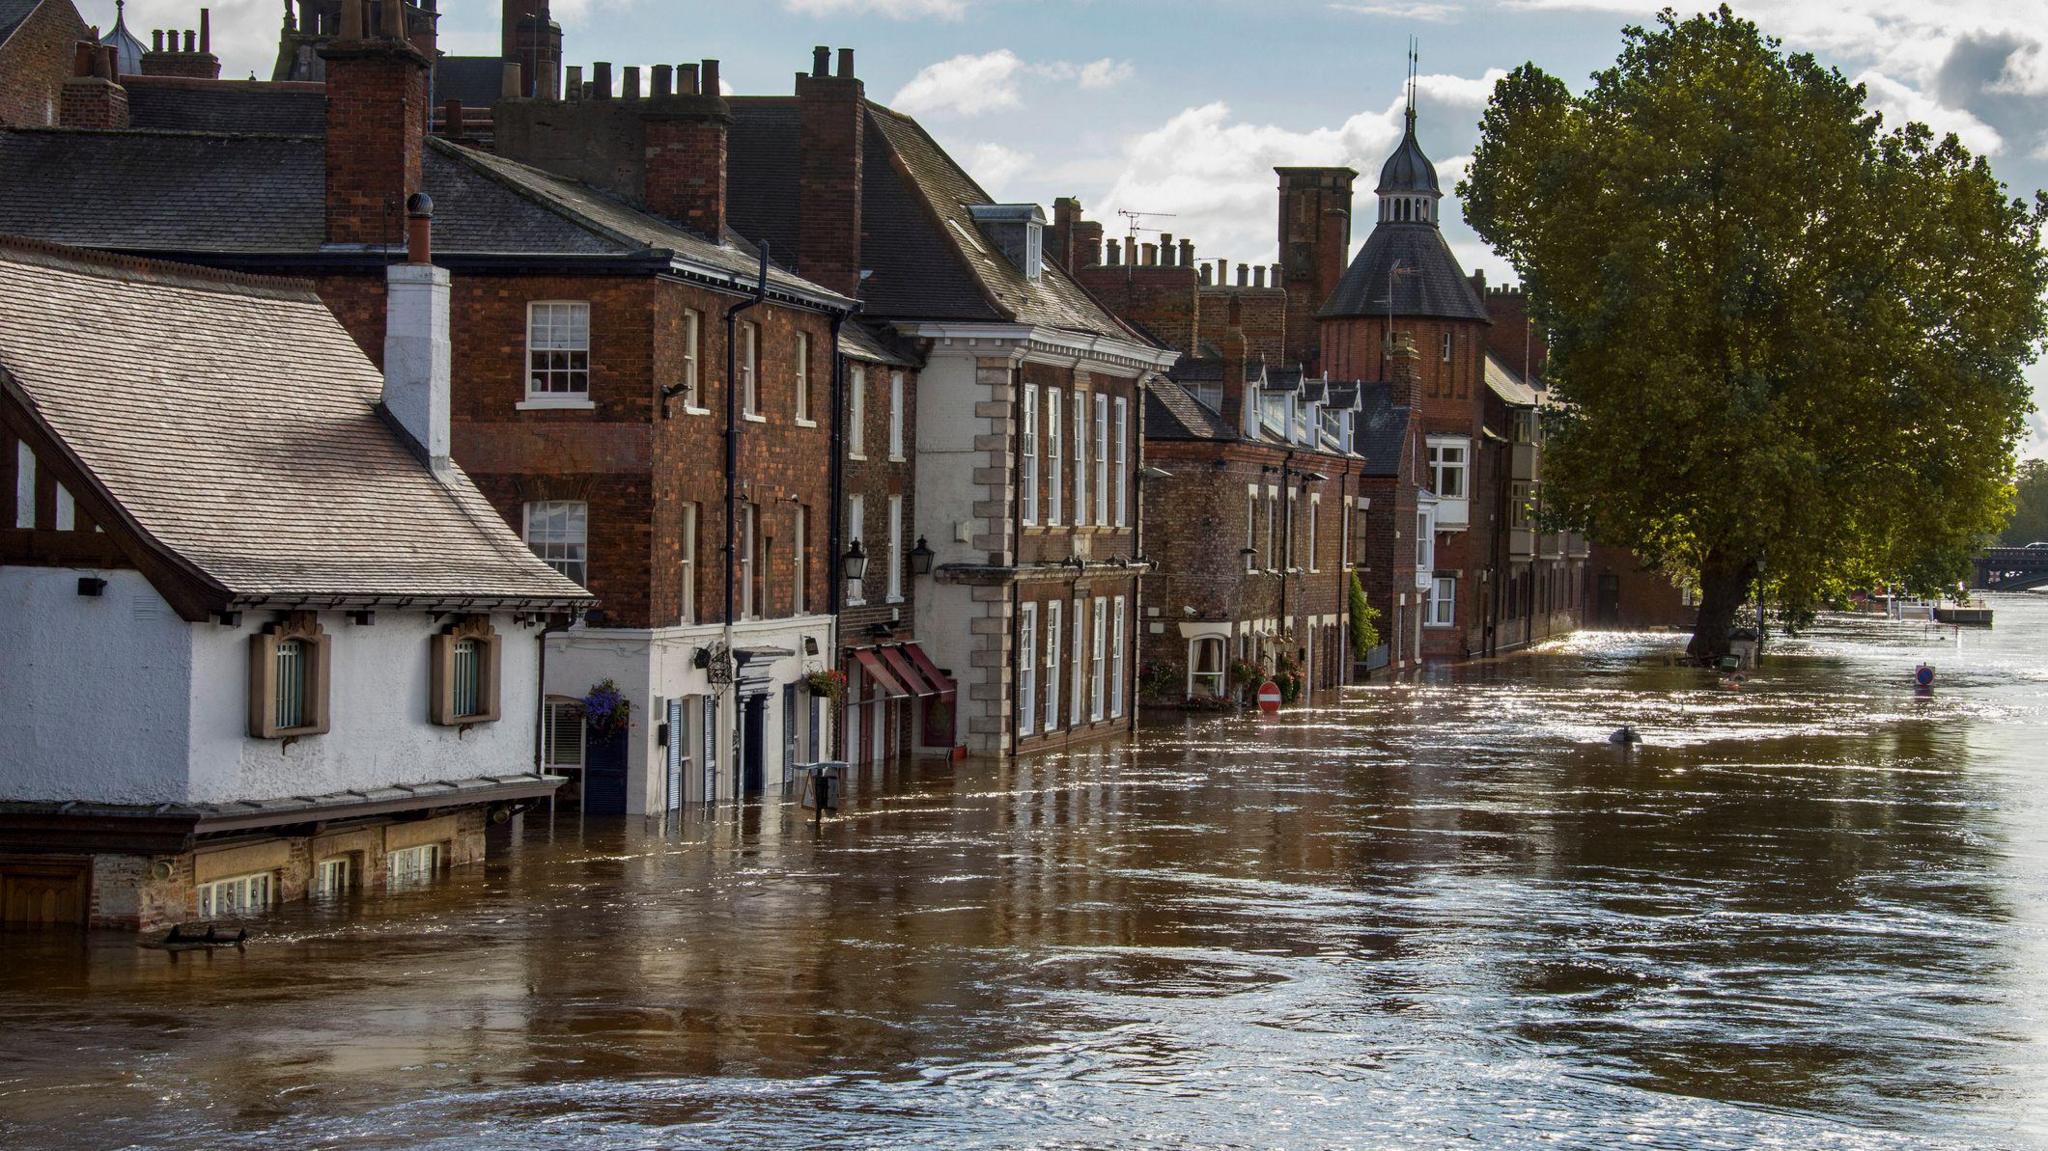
x=829, y=683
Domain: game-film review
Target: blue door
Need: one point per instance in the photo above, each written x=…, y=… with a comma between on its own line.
x=604, y=775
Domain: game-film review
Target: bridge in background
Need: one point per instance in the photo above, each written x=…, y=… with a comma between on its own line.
x=2012, y=569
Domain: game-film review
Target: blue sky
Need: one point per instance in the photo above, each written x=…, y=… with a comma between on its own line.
x=1185, y=106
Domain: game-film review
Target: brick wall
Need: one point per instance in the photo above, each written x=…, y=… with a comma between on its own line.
x=34, y=63
x=1315, y=244
x=1097, y=542
x=1159, y=298
x=1262, y=317
x=376, y=117
x=833, y=111
x=874, y=480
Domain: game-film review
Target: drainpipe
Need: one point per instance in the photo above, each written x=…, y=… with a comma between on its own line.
x=1017, y=387
x=732, y=467
x=836, y=518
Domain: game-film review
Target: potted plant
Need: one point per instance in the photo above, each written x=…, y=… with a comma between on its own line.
x=830, y=683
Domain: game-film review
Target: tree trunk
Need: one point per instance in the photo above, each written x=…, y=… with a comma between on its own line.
x=1724, y=589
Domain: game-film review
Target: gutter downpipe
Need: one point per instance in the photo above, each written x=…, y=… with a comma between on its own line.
x=732, y=467
x=836, y=518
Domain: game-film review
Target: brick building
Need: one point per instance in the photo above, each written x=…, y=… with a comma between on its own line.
x=38, y=40
x=590, y=377
x=1259, y=509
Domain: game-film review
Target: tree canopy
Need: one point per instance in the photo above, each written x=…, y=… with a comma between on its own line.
x=2030, y=514
x=1786, y=341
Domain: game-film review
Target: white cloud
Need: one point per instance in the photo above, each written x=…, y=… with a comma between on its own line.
x=1434, y=13
x=993, y=166
x=1215, y=172
x=892, y=9
x=970, y=85
x=1900, y=103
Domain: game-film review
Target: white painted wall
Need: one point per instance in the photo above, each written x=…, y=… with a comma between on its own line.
x=116, y=700
x=947, y=426
x=377, y=702
x=93, y=692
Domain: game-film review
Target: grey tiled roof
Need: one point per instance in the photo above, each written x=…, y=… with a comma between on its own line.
x=1343, y=394
x=236, y=422
x=867, y=342
x=12, y=13
x=178, y=104
x=1382, y=429
x=1172, y=414
x=1189, y=370
x=1431, y=283
x=1503, y=382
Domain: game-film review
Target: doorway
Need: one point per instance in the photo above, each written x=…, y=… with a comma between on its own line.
x=1608, y=609
x=43, y=894
x=753, y=745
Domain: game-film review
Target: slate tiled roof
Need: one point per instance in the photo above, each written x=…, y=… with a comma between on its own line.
x=1189, y=370
x=929, y=259
x=256, y=194
x=1382, y=429
x=179, y=104
x=1173, y=414
x=1431, y=283
x=1343, y=394
x=12, y=13
x=1503, y=382
x=235, y=421
x=867, y=342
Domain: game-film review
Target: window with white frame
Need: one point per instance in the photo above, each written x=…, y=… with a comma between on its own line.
x=857, y=413
x=412, y=866
x=1080, y=661
x=856, y=532
x=1315, y=529
x=1052, y=665
x=686, y=592
x=1425, y=541
x=558, y=351
x=1344, y=532
x=1206, y=667
x=1102, y=460
x=803, y=377
x=896, y=415
x=1442, y=608
x=800, y=557
x=1293, y=527
x=1450, y=472
x=239, y=897
x=1360, y=535
x=558, y=531
x=334, y=878
x=748, y=543
x=1027, y=669
x=1272, y=557
x=1080, y=459
x=693, y=332
x=1116, y=659
x=747, y=359
x=1123, y=470
x=561, y=735
x=892, y=547
x=1098, y=666
x=1447, y=347
x=1055, y=476
x=1251, y=528
x=1027, y=476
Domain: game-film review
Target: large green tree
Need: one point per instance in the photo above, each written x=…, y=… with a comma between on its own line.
x=2030, y=514
x=1786, y=341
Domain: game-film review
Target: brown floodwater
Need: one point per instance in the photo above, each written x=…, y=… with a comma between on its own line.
x=1811, y=914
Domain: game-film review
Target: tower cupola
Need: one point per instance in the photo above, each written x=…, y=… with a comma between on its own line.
x=1408, y=189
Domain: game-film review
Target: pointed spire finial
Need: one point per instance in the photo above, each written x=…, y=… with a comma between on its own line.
x=1414, y=63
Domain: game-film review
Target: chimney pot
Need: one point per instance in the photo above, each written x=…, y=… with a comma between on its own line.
x=513, y=84
x=1114, y=252
x=1244, y=272
x=1205, y=275
x=846, y=63
x=632, y=84
x=601, y=80
x=110, y=62
x=686, y=79
x=191, y=41
x=393, y=12
x=1187, y=253
x=575, y=82
x=156, y=40
x=419, y=218
x=821, y=61
x=205, y=30
x=1259, y=276
x=709, y=78
x=664, y=81
x=1151, y=252
x=351, y=20
x=82, y=55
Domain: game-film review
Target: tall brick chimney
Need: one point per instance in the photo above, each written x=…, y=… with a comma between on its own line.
x=1232, y=344
x=528, y=38
x=376, y=126
x=1066, y=214
x=93, y=97
x=1315, y=246
x=833, y=110
x=194, y=60
x=1404, y=371
x=686, y=153
x=417, y=347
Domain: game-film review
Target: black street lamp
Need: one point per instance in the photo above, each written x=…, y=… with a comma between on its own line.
x=856, y=563
x=921, y=558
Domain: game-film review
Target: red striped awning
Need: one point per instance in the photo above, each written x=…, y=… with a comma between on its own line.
x=877, y=673
x=907, y=674
x=942, y=684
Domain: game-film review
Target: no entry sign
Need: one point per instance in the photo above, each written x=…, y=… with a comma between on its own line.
x=1269, y=697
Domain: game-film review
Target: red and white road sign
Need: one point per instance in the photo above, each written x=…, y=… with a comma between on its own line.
x=1269, y=697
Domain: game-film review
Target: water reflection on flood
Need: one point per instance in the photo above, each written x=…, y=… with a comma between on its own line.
x=1445, y=914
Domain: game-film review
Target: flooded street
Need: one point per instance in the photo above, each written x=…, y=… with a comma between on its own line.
x=1812, y=914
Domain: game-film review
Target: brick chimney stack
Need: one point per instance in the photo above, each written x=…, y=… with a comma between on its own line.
x=93, y=97
x=528, y=38
x=1232, y=345
x=686, y=151
x=1404, y=370
x=833, y=113
x=1066, y=216
x=193, y=58
x=376, y=127
x=1315, y=246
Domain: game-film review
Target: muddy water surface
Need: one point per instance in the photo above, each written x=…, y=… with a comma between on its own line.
x=1812, y=914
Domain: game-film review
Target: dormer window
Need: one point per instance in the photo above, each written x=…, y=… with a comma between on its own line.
x=1016, y=230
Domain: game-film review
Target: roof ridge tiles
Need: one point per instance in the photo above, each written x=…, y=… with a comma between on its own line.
x=156, y=133
x=91, y=260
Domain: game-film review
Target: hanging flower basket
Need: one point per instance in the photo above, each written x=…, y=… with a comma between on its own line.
x=830, y=683
x=607, y=712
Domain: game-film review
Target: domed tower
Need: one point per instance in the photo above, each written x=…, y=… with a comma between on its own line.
x=128, y=49
x=1405, y=279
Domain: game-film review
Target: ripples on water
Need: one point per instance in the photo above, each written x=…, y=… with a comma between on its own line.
x=1441, y=914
